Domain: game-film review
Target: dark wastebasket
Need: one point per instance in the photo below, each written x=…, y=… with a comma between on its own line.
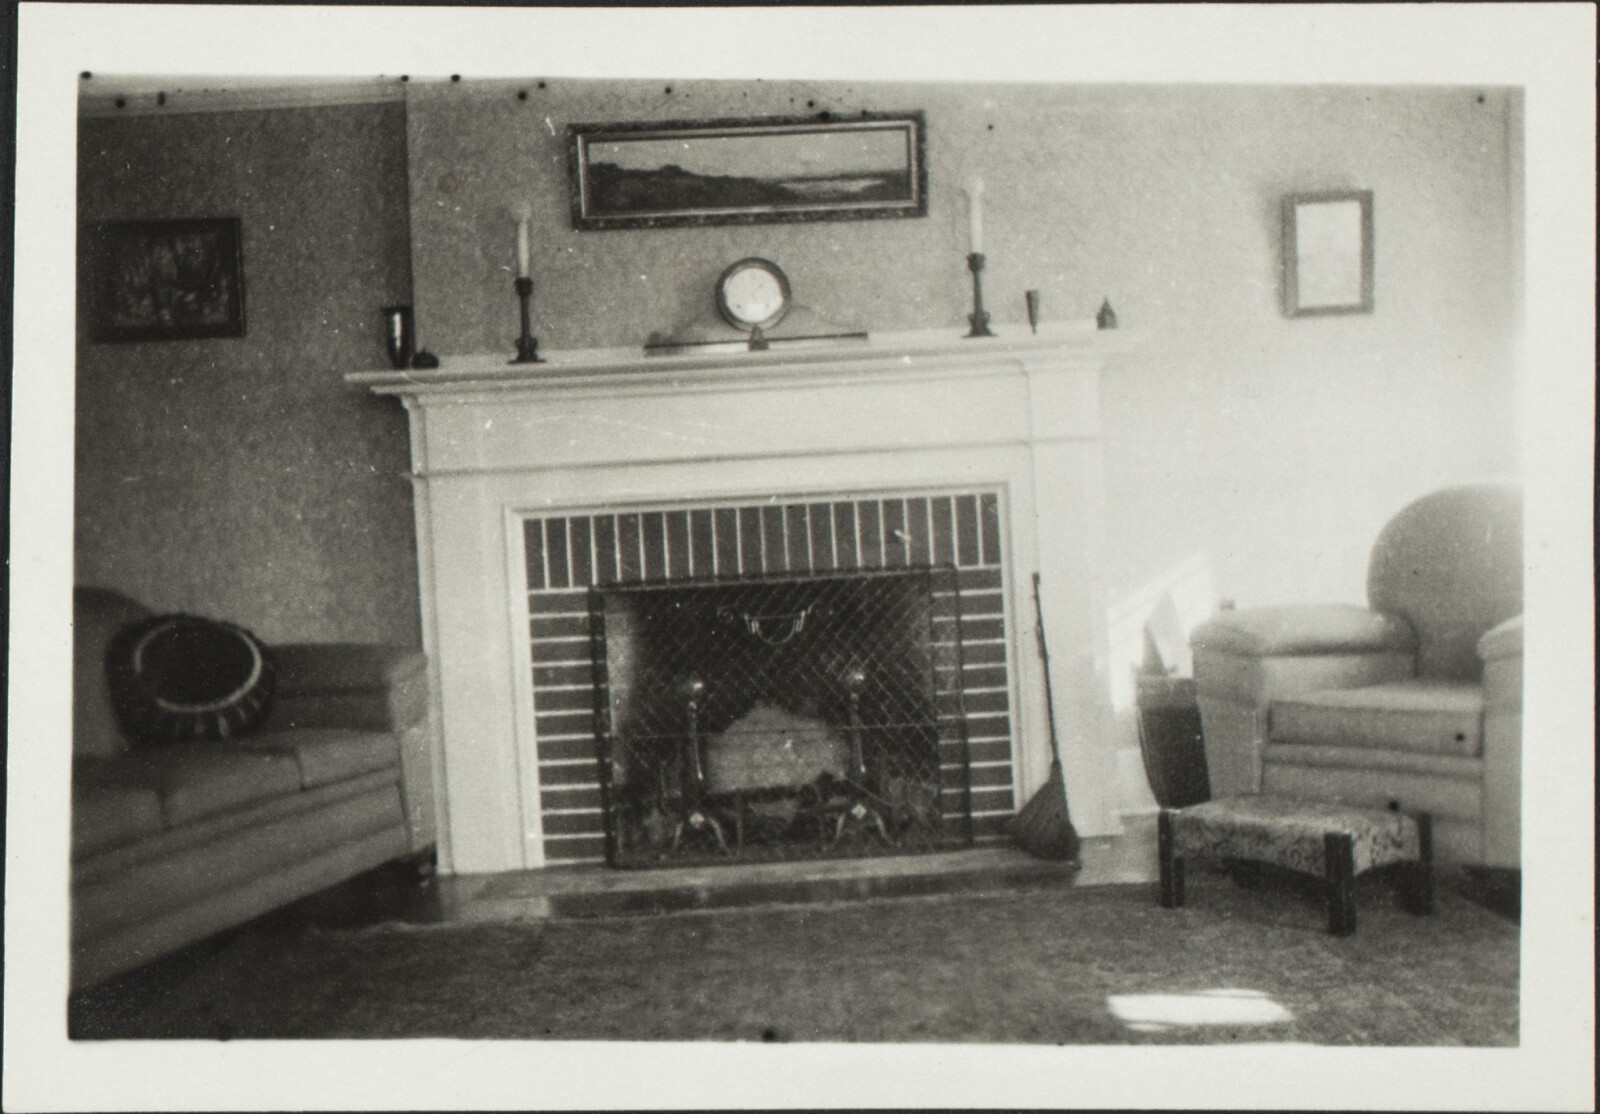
x=1171, y=741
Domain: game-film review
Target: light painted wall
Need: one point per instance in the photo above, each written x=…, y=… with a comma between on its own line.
x=1271, y=449
x=241, y=477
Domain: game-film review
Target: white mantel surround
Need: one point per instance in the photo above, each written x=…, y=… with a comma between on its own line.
x=492, y=442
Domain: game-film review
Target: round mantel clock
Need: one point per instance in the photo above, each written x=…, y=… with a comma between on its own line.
x=753, y=294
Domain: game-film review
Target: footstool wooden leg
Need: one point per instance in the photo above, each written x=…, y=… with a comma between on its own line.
x=1171, y=867
x=1417, y=893
x=1339, y=851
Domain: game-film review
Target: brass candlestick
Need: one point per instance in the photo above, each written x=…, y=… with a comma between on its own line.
x=978, y=317
x=527, y=343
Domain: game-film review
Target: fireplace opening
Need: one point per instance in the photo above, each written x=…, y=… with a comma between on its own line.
x=781, y=717
x=596, y=581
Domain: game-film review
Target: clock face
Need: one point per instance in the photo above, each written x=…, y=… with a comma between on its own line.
x=752, y=293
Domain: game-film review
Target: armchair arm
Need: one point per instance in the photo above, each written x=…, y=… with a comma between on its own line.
x=1243, y=660
x=1501, y=651
x=366, y=686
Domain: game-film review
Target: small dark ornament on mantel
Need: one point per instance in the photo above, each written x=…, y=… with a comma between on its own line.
x=425, y=360
x=1107, y=317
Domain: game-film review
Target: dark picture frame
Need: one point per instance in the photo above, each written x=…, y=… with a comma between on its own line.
x=683, y=173
x=1327, y=253
x=165, y=279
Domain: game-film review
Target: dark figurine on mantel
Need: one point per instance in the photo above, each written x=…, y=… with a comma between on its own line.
x=1107, y=317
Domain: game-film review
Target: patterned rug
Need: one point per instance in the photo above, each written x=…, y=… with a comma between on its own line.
x=1083, y=965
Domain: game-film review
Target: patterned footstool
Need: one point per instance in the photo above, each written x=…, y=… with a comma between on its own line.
x=1314, y=837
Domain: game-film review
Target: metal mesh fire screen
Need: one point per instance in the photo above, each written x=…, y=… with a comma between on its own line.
x=780, y=717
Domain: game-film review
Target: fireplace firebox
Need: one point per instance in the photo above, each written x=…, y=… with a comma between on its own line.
x=781, y=717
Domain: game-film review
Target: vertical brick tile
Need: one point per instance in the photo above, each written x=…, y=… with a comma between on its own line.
x=582, y=559
x=725, y=525
x=533, y=548
x=750, y=540
x=629, y=549
x=797, y=532
x=774, y=553
x=677, y=545
x=944, y=531
x=702, y=546
x=896, y=539
x=820, y=517
x=653, y=533
x=968, y=549
x=605, y=549
x=844, y=536
x=989, y=518
x=920, y=552
x=869, y=523
x=555, y=551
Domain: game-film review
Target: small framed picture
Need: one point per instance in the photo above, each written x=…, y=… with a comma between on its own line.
x=165, y=279
x=1327, y=253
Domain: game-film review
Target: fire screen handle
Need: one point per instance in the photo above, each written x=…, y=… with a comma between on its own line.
x=855, y=679
x=694, y=689
x=757, y=625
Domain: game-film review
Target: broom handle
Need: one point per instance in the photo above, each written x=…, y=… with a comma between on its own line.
x=1044, y=653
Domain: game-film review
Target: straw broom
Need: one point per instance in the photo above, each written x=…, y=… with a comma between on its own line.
x=1043, y=827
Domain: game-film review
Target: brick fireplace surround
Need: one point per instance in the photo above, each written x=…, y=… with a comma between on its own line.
x=603, y=467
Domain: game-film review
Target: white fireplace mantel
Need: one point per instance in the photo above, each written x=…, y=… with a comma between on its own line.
x=493, y=442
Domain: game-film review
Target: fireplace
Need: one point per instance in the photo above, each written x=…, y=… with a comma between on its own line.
x=574, y=513
x=771, y=680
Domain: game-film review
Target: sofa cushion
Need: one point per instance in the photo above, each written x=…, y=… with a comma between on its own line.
x=1435, y=717
x=327, y=755
x=195, y=780
x=98, y=616
x=105, y=816
x=1323, y=628
x=178, y=677
x=1442, y=786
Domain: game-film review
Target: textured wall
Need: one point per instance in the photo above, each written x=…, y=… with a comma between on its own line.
x=241, y=477
x=1274, y=447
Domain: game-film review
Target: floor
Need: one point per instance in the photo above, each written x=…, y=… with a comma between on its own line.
x=1038, y=959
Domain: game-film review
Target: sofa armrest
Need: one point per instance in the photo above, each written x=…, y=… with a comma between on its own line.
x=1243, y=660
x=366, y=686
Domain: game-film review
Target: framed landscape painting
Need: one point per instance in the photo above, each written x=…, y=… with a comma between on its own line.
x=165, y=279
x=702, y=172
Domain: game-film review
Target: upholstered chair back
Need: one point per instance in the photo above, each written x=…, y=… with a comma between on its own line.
x=1451, y=564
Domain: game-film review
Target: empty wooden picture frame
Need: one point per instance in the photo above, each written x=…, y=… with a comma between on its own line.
x=1327, y=253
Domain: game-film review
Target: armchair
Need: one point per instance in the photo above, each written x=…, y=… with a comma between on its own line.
x=1414, y=702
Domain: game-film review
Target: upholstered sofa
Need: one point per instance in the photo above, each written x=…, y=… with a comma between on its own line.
x=173, y=843
x=1414, y=702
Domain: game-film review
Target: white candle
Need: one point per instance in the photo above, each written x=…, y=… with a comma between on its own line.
x=522, y=247
x=975, y=216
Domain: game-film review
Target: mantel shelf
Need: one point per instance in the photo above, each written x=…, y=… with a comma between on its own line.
x=907, y=353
